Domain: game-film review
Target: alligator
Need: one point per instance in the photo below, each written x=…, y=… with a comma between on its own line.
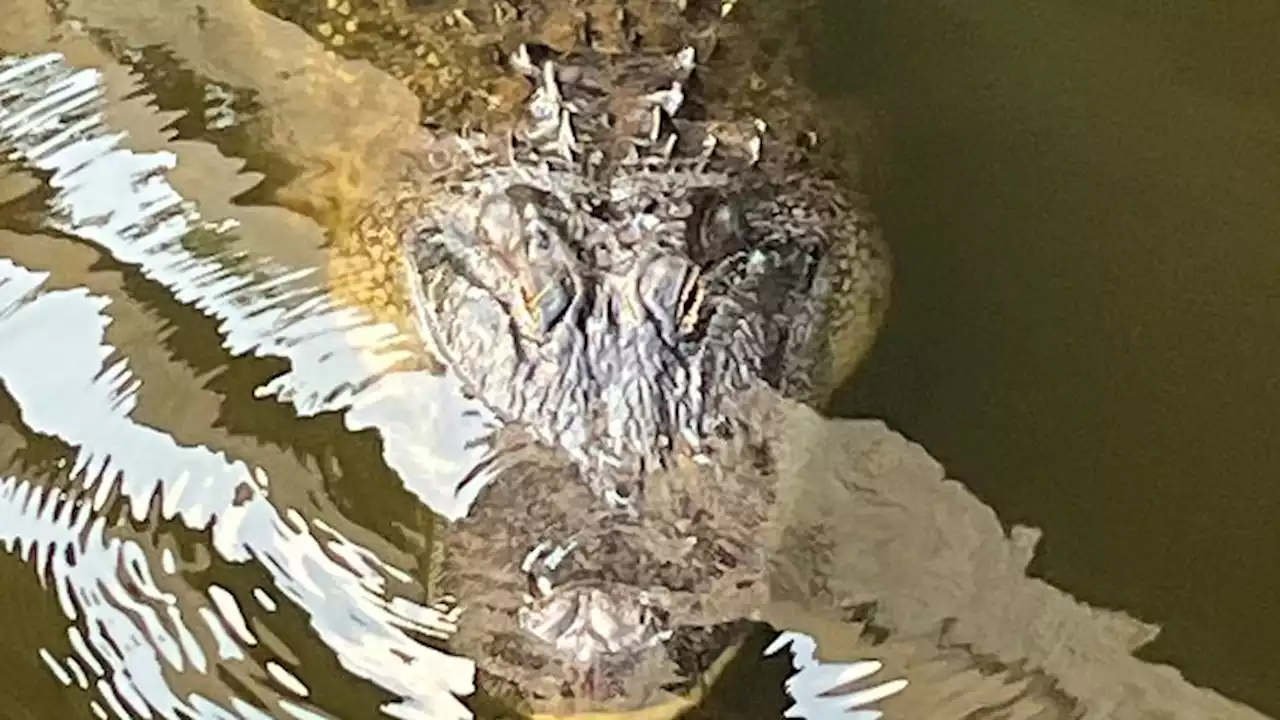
x=921, y=574
x=608, y=245
x=609, y=263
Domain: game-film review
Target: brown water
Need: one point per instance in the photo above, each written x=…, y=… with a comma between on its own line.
x=1085, y=206
x=211, y=468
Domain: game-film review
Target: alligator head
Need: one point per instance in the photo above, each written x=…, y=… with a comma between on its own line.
x=609, y=272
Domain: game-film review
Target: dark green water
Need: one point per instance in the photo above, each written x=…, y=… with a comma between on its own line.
x=1085, y=209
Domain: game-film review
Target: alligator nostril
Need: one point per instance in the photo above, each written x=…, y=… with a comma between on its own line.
x=588, y=621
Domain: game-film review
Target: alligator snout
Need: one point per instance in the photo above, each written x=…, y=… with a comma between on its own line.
x=577, y=606
x=588, y=617
x=590, y=623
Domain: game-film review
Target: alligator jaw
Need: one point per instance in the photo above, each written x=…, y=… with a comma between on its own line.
x=669, y=708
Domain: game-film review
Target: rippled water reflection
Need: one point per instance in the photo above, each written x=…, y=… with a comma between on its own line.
x=218, y=469
x=130, y=594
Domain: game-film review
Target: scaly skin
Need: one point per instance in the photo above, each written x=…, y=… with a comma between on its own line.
x=608, y=242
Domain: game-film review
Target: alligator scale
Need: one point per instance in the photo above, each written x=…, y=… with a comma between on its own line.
x=609, y=269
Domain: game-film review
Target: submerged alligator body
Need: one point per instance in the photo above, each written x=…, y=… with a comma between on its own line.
x=609, y=268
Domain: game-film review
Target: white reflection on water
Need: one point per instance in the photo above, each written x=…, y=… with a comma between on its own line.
x=339, y=359
x=61, y=366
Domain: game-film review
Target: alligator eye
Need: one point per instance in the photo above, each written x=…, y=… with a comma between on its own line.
x=548, y=305
x=671, y=290
x=691, y=304
x=533, y=255
x=720, y=231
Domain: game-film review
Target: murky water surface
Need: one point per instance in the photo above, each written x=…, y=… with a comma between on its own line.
x=1084, y=203
x=223, y=457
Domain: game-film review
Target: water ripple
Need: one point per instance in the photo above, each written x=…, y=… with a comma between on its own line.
x=340, y=360
x=339, y=584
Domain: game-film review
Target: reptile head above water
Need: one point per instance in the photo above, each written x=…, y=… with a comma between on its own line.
x=612, y=268
x=609, y=272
